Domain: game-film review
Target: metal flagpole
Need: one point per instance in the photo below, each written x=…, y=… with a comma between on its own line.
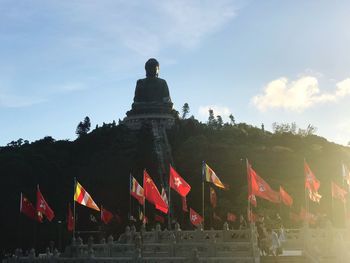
x=249, y=212
x=332, y=202
x=129, y=198
x=75, y=185
x=169, y=206
x=203, y=167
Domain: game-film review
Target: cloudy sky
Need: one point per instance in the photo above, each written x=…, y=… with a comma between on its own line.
x=262, y=61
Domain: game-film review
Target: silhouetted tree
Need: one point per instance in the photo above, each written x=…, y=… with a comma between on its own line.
x=211, y=119
x=83, y=127
x=232, y=119
x=185, y=110
x=219, y=121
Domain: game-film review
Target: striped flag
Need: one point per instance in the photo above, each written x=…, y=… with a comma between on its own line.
x=211, y=177
x=136, y=190
x=82, y=197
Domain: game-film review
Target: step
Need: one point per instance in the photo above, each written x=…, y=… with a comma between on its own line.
x=283, y=259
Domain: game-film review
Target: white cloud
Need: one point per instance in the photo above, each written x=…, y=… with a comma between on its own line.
x=298, y=95
x=147, y=27
x=223, y=111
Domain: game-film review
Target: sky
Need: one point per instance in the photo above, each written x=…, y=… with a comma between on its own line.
x=263, y=61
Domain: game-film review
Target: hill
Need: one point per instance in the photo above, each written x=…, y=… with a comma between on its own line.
x=103, y=159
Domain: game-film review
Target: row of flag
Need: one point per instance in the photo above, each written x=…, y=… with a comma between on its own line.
x=258, y=187
x=42, y=208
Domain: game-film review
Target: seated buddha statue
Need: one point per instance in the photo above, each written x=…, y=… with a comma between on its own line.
x=151, y=93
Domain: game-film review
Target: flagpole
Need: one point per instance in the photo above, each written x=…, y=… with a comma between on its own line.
x=203, y=191
x=332, y=203
x=305, y=196
x=129, y=198
x=249, y=213
x=75, y=184
x=169, y=208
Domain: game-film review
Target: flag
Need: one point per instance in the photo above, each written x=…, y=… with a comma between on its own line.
x=312, y=184
x=231, y=217
x=159, y=218
x=216, y=217
x=338, y=192
x=106, y=216
x=27, y=208
x=346, y=174
x=178, y=183
x=213, y=198
x=285, y=197
x=260, y=188
x=42, y=207
x=136, y=190
x=165, y=199
x=251, y=196
x=70, y=219
x=82, y=197
x=211, y=177
x=195, y=218
x=152, y=194
x=184, y=204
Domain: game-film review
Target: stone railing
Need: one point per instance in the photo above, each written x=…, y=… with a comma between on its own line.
x=162, y=246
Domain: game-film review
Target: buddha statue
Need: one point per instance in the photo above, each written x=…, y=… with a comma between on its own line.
x=151, y=93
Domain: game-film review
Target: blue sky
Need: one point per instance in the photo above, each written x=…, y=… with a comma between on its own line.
x=262, y=61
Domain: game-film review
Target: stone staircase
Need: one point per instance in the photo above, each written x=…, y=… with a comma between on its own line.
x=283, y=259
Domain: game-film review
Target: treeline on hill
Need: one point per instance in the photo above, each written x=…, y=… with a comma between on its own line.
x=102, y=160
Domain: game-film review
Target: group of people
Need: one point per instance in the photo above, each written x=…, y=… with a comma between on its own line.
x=270, y=241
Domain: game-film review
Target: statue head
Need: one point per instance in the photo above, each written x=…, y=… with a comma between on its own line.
x=152, y=68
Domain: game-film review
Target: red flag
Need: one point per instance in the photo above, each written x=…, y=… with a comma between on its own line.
x=338, y=192
x=27, y=208
x=136, y=190
x=285, y=197
x=178, y=183
x=106, y=216
x=159, y=218
x=312, y=184
x=42, y=207
x=70, y=219
x=260, y=188
x=251, y=196
x=213, y=198
x=152, y=194
x=195, y=218
x=184, y=204
x=231, y=217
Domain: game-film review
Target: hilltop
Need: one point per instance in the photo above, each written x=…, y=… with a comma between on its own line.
x=103, y=159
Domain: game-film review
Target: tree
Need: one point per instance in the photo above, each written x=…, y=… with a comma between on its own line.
x=83, y=127
x=211, y=119
x=219, y=121
x=185, y=110
x=232, y=119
